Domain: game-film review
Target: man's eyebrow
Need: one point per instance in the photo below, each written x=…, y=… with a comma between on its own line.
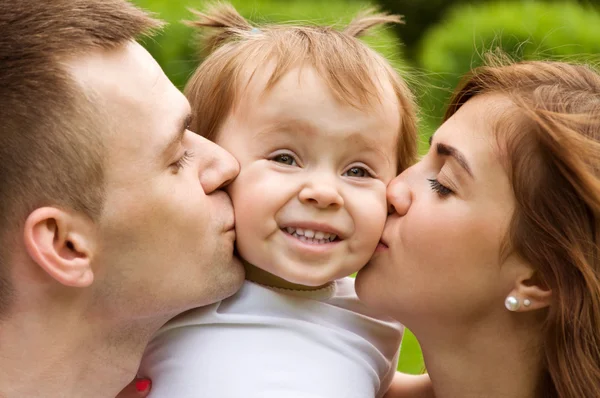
x=179, y=134
x=447, y=150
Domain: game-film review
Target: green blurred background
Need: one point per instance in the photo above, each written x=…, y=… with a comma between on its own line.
x=441, y=40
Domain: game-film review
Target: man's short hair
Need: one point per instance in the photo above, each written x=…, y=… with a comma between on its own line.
x=51, y=151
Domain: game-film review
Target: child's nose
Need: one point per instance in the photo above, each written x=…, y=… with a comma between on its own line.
x=322, y=193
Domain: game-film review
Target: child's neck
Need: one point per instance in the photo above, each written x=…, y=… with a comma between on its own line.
x=262, y=277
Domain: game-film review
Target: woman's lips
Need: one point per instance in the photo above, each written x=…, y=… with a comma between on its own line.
x=381, y=246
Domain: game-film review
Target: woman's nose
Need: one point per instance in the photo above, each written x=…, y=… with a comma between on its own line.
x=399, y=196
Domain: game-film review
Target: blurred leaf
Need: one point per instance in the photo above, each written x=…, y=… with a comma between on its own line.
x=525, y=30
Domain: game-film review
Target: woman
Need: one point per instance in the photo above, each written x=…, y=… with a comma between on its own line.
x=491, y=255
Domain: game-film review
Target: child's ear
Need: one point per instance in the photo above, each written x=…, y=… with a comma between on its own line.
x=531, y=292
x=62, y=243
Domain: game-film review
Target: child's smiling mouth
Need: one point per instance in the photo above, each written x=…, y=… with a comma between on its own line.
x=310, y=236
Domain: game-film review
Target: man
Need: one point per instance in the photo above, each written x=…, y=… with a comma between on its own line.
x=111, y=216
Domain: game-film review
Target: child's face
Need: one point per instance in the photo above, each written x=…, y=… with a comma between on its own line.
x=310, y=199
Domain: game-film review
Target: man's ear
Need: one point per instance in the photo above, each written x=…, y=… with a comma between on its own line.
x=62, y=243
x=531, y=292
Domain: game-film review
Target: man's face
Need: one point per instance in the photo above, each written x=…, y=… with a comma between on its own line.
x=166, y=234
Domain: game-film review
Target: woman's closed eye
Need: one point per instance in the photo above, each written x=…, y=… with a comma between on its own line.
x=439, y=188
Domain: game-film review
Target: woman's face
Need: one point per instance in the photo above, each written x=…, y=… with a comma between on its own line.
x=440, y=253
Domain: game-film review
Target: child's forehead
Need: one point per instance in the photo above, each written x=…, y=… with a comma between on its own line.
x=298, y=110
x=303, y=93
x=258, y=80
x=301, y=100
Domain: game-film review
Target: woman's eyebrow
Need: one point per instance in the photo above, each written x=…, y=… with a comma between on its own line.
x=447, y=150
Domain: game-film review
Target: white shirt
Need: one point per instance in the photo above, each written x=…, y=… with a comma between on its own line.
x=275, y=343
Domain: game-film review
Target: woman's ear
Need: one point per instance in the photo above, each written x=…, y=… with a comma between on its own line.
x=62, y=243
x=530, y=292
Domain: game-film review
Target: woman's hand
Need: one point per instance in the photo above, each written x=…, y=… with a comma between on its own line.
x=138, y=388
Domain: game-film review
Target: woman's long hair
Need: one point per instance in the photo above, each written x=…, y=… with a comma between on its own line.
x=550, y=143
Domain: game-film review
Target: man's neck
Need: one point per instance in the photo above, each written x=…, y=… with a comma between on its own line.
x=492, y=361
x=63, y=354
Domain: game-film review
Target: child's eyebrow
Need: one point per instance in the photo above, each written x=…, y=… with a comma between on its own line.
x=364, y=142
x=307, y=127
x=302, y=126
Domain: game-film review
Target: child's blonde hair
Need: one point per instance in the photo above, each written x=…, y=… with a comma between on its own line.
x=350, y=68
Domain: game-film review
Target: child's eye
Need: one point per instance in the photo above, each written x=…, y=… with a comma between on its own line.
x=360, y=172
x=436, y=186
x=183, y=161
x=285, y=159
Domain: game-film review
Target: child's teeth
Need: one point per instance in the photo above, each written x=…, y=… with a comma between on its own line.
x=311, y=236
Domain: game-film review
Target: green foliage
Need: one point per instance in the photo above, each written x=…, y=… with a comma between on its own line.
x=411, y=359
x=524, y=30
x=419, y=16
x=175, y=51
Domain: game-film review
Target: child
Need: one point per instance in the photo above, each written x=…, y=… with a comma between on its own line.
x=320, y=124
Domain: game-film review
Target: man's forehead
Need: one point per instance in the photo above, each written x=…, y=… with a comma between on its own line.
x=143, y=108
x=125, y=71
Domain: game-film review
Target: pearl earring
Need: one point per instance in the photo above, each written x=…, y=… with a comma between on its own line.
x=512, y=303
x=526, y=302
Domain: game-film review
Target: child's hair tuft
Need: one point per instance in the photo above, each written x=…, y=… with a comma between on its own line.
x=225, y=23
x=368, y=19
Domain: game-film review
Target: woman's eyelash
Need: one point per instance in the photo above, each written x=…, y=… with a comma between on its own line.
x=184, y=160
x=436, y=186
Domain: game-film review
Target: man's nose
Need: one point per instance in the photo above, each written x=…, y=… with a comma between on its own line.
x=399, y=196
x=217, y=166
